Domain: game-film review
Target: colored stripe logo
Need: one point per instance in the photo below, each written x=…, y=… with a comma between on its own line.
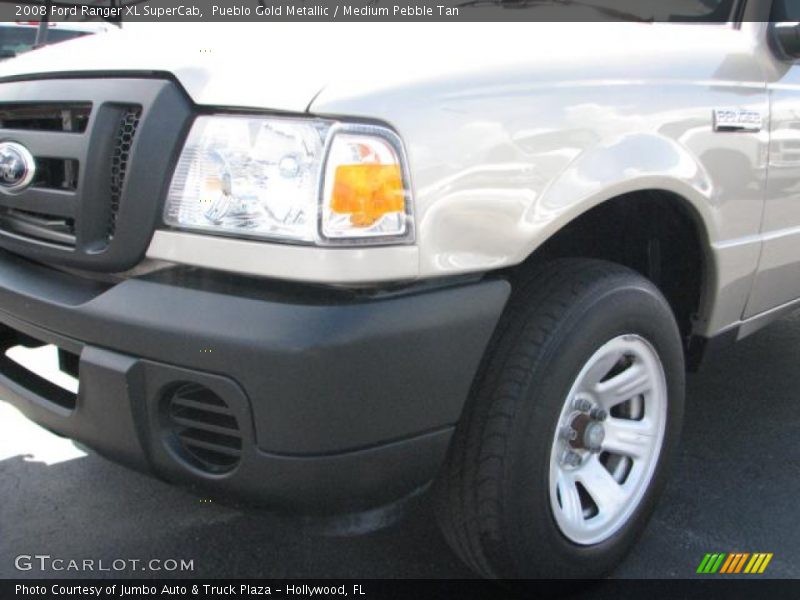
x=741, y=562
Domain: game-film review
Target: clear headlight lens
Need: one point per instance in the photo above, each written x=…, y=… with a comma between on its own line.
x=290, y=179
x=249, y=176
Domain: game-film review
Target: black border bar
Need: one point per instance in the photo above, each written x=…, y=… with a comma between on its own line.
x=369, y=10
x=669, y=589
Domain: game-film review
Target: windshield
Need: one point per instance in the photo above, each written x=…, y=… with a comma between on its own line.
x=15, y=39
x=719, y=11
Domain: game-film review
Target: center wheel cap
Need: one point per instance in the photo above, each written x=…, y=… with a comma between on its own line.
x=594, y=436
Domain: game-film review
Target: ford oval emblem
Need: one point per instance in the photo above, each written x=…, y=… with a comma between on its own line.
x=17, y=167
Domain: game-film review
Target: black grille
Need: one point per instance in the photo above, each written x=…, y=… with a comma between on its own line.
x=204, y=427
x=70, y=118
x=119, y=161
x=104, y=149
x=61, y=174
x=53, y=173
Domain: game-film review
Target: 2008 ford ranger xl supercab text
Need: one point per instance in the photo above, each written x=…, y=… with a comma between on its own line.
x=322, y=281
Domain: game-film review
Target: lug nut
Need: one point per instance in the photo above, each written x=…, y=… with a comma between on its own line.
x=598, y=414
x=568, y=433
x=572, y=459
x=582, y=405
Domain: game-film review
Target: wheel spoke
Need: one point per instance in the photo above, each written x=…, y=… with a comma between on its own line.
x=631, y=382
x=602, y=487
x=628, y=438
x=570, y=500
x=601, y=367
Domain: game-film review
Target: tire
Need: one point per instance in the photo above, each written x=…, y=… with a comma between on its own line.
x=499, y=495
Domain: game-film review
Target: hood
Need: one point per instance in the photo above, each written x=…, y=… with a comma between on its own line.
x=225, y=65
x=285, y=66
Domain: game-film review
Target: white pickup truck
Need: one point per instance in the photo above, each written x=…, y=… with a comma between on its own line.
x=319, y=267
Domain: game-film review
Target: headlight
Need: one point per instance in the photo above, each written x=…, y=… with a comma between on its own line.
x=292, y=179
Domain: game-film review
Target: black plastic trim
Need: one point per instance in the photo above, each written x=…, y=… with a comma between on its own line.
x=166, y=113
x=325, y=372
x=344, y=400
x=700, y=349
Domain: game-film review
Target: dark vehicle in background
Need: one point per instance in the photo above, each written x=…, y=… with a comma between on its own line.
x=16, y=38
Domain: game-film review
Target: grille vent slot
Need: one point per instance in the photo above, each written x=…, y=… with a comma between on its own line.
x=38, y=226
x=120, y=158
x=66, y=118
x=56, y=174
x=204, y=428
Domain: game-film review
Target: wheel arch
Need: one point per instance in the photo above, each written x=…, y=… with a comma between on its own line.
x=662, y=231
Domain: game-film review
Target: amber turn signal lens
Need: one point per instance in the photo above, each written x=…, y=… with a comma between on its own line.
x=366, y=192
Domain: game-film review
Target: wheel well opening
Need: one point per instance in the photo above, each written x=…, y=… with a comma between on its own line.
x=651, y=232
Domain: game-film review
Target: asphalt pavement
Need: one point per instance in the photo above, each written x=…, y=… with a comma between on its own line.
x=734, y=488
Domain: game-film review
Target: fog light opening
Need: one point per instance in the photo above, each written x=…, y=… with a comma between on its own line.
x=201, y=428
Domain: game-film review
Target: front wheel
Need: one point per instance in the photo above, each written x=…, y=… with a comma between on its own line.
x=560, y=454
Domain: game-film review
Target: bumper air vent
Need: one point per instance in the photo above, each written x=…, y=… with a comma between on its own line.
x=203, y=428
